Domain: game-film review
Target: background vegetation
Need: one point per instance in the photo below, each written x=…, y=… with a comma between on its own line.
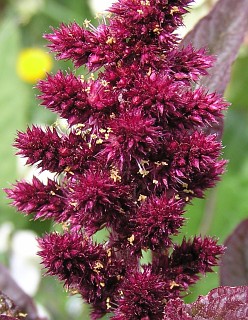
x=22, y=24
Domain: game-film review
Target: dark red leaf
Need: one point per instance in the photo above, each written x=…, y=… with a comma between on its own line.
x=223, y=303
x=8, y=309
x=234, y=263
x=222, y=32
x=10, y=288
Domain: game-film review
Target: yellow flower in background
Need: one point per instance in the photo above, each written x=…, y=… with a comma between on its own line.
x=33, y=64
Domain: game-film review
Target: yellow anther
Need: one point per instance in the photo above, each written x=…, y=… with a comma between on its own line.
x=131, y=239
x=174, y=10
x=149, y=72
x=78, y=128
x=188, y=191
x=111, y=40
x=164, y=163
x=87, y=90
x=114, y=174
x=99, y=141
x=22, y=315
x=142, y=197
x=109, y=15
x=86, y=23
x=73, y=291
x=68, y=170
x=157, y=30
x=108, y=303
x=78, y=132
x=142, y=162
x=145, y=2
x=74, y=204
x=65, y=226
x=98, y=266
x=98, y=15
x=104, y=83
x=174, y=284
x=109, y=252
x=143, y=172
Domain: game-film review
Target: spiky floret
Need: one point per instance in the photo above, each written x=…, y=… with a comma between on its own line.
x=65, y=94
x=142, y=297
x=188, y=64
x=95, y=200
x=156, y=221
x=91, y=269
x=44, y=201
x=132, y=137
x=171, y=104
x=187, y=163
x=72, y=42
x=54, y=151
x=71, y=258
x=74, y=98
x=188, y=260
x=39, y=147
x=199, y=255
x=176, y=309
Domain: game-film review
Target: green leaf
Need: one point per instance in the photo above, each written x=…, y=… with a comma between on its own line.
x=237, y=90
x=66, y=13
x=14, y=103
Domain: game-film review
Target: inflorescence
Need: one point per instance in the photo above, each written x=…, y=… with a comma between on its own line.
x=134, y=153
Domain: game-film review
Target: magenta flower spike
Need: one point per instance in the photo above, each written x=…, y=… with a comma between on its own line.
x=135, y=152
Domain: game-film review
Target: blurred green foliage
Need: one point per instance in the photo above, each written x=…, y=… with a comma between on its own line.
x=218, y=214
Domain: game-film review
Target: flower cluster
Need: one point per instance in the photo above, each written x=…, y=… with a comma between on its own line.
x=136, y=150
